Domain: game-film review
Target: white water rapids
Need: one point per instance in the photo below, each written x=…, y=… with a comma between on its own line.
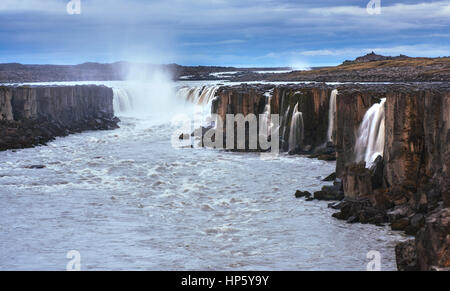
x=127, y=200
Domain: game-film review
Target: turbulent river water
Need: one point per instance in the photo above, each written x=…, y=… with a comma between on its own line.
x=127, y=199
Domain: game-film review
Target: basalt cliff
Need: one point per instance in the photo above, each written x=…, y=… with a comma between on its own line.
x=34, y=115
x=391, y=145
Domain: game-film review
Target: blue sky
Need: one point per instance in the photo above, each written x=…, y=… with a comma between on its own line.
x=220, y=32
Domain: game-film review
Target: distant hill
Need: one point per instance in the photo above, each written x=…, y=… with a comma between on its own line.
x=371, y=68
x=373, y=57
x=19, y=73
x=368, y=68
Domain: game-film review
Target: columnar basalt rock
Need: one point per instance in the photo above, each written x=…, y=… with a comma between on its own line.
x=406, y=185
x=415, y=179
x=433, y=241
x=5, y=104
x=313, y=102
x=352, y=104
x=417, y=145
x=32, y=115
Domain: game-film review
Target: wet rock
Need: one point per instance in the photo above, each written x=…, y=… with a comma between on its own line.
x=183, y=136
x=307, y=148
x=406, y=256
x=352, y=219
x=326, y=157
x=376, y=171
x=360, y=211
x=299, y=194
x=335, y=205
x=38, y=114
x=398, y=213
x=330, y=178
x=417, y=221
x=329, y=193
x=433, y=241
x=35, y=167
x=357, y=181
x=400, y=224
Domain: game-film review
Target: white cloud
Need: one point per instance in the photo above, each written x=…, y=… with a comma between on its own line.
x=50, y=6
x=220, y=42
x=410, y=50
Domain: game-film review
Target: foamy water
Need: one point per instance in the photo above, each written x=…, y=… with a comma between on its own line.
x=127, y=200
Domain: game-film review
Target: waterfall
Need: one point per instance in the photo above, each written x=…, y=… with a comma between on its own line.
x=122, y=102
x=371, y=134
x=332, y=115
x=284, y=121
x=296, y=131
x=197, y=95
x=266, y=121
x=201, y=97
x=162, y=101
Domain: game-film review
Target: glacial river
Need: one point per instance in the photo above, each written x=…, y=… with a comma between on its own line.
x=128, y=200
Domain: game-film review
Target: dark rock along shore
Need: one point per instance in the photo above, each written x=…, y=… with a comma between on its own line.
x=33, y=115
x=408, y=187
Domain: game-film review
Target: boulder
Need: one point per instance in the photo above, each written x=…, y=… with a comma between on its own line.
x=299, y=194
x=330, y=178
x=433, y=241
x=406, y=256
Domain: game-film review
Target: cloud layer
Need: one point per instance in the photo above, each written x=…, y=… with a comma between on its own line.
x=220, y=32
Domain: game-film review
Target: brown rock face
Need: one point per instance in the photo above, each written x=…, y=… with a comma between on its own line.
x=433, y=242
x=406, y=185
x=406, y=256
x=5, y=104
x=415, y=165
x=35, y=115
x=235, y=100
x=351, y=105
x=417, y=145
x=357, y=181
x=312, y=102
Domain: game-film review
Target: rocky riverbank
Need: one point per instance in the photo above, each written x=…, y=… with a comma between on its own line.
x=405, y=185
x=34, y=115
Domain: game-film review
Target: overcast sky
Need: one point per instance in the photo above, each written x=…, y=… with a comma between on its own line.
x=220, y=32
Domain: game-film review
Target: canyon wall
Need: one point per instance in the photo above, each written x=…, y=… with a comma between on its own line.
x=413, y=186
x=352, y=103
x=35, y=115
x=417, y=146
x=313, y=102
x=407, y=185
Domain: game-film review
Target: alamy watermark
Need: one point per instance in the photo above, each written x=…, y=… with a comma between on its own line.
x=75, y=261
x=374, y=7
x=236, y=133
x=73, y=7
x=375, y=261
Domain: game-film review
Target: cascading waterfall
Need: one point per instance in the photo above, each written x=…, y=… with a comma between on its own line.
x=371, y=134
x=266, y=121
x=296, y=133
x=284, y=121
x=122, y=101
x=129, y=99
x=198, y=95
x=202, y=98
x=332, y=115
